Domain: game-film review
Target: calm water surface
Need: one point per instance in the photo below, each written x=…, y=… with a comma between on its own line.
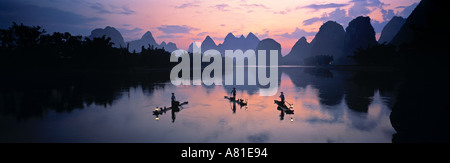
x=330, y=106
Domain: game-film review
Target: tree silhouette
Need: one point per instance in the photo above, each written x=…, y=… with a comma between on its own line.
x=30, y=48
x=377, y=55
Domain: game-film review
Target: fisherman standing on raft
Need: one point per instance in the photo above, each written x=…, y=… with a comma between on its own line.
x=174, y=102
x=233, y=93
x=282, y=98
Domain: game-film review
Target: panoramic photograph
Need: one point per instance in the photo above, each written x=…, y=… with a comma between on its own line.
x=211, y=71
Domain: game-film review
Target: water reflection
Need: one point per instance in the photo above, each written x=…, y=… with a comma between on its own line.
x=36, y=95
x=174, y=108
x=237, y=101
x=283, y=112
x=330, y=105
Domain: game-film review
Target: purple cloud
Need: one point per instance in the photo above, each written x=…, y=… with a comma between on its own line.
x=171, y=29
x=323, y=6
x=187, y=5
x=298, y=33
x=338, y=15
x=283, y=12
x=361, y=7
x=100, y=8
x=202, y=33
x=407, y=10
x=169, y=36
x=254, y=6
x=126, y=10
x=51, y=19
x=387, y=14
x=222, y=7
x=263, y=36
x=111, y=9
x=342, y=16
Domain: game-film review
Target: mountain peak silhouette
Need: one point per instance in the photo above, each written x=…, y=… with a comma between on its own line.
x=109, y=28
x=170, y=47
x=302, y=40
x=391, y=29
x=425, y=27
x=358, y=34
x=230, y=36
x=163, y=44
x=233, y=43
x=145, y=41
x=208, y=44
x=209, y=38
x=111, y=32
x=148, y=36
x=298, y=53
x=329, y=40
x=252, y=36
x=269, y=44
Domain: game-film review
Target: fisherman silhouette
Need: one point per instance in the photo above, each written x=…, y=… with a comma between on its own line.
x=173, y=97
x=175, y=103
x=233, y=93
x=282, y=98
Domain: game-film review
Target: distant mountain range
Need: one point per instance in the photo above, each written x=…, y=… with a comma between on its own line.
x=231, y=42
x=423, y=31
x=328, y=41
x=331, y=39
x=146, y=40
x=243, y=43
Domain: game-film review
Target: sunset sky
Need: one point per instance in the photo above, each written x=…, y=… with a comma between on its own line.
x=184, y=21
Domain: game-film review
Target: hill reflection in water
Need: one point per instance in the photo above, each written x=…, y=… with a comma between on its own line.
x=330, y=106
